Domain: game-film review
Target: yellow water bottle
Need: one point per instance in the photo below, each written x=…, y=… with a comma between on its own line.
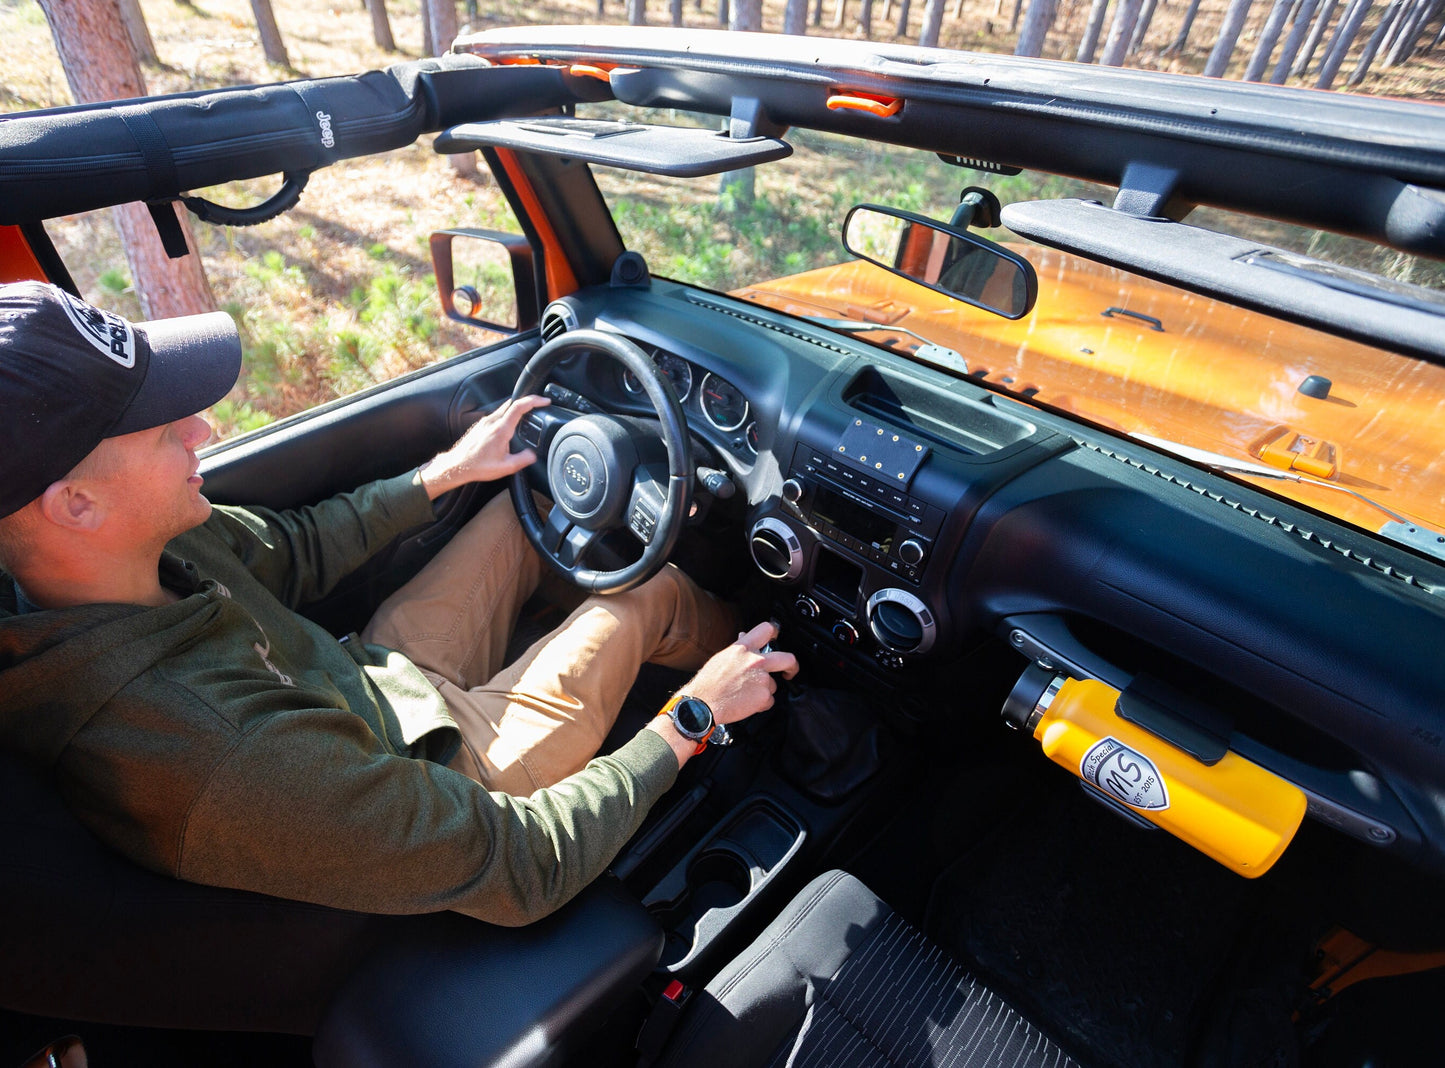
x=1232, y=810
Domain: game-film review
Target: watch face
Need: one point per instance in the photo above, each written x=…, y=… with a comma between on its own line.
x=693, y=717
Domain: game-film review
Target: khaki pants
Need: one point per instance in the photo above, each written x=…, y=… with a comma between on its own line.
x=539, y=719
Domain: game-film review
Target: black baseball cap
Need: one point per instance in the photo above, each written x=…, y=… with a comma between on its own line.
x=72, y=375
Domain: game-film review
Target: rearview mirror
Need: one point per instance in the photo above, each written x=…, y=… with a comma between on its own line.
x=485, y=278
x=943, y=258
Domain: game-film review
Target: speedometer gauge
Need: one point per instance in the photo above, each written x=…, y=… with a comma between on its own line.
x=722, y=403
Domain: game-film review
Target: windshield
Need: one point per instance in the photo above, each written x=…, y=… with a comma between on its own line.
x=1358, y=427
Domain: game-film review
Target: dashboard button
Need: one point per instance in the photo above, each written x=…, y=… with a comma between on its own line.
x=917, y=507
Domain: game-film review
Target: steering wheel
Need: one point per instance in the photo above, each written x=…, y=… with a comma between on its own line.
x=598, y=478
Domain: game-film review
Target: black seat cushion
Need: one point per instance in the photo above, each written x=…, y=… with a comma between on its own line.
x=840, y=979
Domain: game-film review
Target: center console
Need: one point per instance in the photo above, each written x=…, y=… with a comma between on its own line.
x=877, y=490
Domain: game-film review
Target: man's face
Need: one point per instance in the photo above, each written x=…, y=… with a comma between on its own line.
x=147, y=481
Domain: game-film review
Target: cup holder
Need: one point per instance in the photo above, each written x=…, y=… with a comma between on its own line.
x=718, y=881
x=721, y=878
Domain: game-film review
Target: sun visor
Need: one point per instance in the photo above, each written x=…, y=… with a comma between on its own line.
x=678, y=151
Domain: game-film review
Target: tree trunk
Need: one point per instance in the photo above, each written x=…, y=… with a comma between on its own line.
x=1126, y=14
x=271, y=43
x=817, y=12
x=865, y=19
x=674, y=9
x=1036, y=28
x=747, y=15
x=1317, y=34
x=1408, y=38
x=901, y=30
x=1234, y=19
x=1345, y=36
x=932, y=23
x=95, y=52
x=1142, y=26
x=1292, y=43
x=637, y=12
x=381, y=25
x=723, y=17
x=1177, y=45
x=839, y=12
x=440, y=19
x=795, y=17
x=1403, y=45
x=1013, y=21
x=1089, y=43
x=138, y=32
x=1372, y=47
x=1268, y=38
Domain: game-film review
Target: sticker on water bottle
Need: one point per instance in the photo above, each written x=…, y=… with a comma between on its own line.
x=1125, y=774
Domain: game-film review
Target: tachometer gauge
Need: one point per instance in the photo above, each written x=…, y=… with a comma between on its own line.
x=722, y=403
x=674, y=368
x=678, y=372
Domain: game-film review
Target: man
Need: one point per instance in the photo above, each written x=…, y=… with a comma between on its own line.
x=152, y=663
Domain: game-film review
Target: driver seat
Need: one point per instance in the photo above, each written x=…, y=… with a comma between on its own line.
x=840, y=979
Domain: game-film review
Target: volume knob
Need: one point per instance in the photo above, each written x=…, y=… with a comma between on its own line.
x=792, y=491
x=910, y=551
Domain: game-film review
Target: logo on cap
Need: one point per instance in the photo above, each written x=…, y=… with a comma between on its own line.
x=108, y=332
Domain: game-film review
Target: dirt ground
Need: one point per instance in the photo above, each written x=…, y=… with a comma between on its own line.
x=335, y=294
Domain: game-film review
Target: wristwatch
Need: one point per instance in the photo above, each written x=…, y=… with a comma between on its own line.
x=692, y=718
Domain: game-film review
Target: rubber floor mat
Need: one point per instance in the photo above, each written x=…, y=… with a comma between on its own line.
x=1108, y=935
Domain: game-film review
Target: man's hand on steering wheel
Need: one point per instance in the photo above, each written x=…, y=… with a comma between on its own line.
x=484, y=452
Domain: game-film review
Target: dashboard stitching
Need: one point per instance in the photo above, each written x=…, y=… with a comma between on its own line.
x=1254, y=513
x=775, y=327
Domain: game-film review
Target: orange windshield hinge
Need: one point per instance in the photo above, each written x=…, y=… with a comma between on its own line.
x=883, y=107
x=1291, y=451
x=591, y=70
x=17, y=262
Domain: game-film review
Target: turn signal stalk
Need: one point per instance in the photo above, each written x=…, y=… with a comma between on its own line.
x=1234, y=810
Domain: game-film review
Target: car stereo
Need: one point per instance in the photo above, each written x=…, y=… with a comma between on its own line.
x=863, y=514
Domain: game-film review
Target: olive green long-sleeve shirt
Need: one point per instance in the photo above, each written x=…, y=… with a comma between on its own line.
x=226, y=739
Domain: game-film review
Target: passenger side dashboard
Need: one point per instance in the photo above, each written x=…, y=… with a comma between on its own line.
x=1315, y=644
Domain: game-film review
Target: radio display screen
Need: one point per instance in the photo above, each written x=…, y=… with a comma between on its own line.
x=853, y=518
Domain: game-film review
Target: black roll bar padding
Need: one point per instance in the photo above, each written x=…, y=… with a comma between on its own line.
x=62, y=161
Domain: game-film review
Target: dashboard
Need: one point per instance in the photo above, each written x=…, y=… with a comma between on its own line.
x=907, y=516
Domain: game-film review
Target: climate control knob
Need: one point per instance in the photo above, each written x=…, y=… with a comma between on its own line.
x=806, y=606
x=845, y=632
x=901, y=622
x=776, y=549
x=910, y=551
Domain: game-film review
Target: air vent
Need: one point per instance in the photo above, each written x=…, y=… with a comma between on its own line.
x=557, y=319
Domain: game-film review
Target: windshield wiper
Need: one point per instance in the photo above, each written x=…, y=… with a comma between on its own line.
x=1397, y=528
x=938, y=355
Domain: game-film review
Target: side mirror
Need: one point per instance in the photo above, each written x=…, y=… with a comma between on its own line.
x=486, y=278
x=943, y=258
